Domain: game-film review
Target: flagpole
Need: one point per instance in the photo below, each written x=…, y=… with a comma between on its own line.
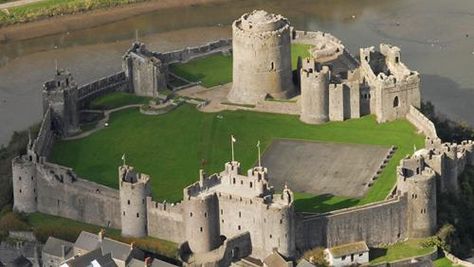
x=259, y=157
x=232, y=146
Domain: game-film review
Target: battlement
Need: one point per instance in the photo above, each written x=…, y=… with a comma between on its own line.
x=127, y=174
x=230, y=181
x=63, y=80
x=260, y=24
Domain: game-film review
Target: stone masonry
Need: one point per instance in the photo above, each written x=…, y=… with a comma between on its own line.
x=230, y=215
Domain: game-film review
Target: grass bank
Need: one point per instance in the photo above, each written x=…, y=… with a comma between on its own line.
x=44, y=226
x=399, y=251
x=174, y=146
x=217, y=69
x=117, y=99
x=51, y=8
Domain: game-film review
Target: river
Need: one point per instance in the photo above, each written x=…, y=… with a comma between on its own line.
x=436, y=38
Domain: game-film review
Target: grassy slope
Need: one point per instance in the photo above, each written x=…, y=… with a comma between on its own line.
x=50, y=8
x=117, y=99
x=47, y=225
x=217, y=69
x=399, y=251
x=171, y=147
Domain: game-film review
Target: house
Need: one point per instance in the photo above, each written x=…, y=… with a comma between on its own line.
x=348, y=254
x=95, y=250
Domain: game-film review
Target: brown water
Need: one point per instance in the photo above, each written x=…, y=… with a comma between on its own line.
x=436, y=38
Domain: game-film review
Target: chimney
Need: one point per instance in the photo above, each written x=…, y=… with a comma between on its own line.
x=148, y=261
x=101, y=234
x=132, y=245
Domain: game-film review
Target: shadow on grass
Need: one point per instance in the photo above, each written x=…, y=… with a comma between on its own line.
x=322, y=203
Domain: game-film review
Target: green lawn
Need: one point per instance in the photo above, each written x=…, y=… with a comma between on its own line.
x=50, y=8
x=117, y=99
x=399, y=251
x=172, y=147
x=45, y=226
x=211, y=71
x=443, y=262
x=217, y=69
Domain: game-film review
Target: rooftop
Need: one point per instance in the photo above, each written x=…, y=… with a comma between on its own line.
x=347, y=249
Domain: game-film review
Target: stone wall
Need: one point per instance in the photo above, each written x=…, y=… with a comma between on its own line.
x=189, y=53
x=376, y=224
x=44, y=142
x=61, y=193
x=112, y=83
x=165, y=221
x=422, y=123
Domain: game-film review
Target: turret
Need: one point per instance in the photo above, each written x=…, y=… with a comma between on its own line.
x=61, y=95
x=279, y=228
x=24, y=185
x=201, y=220
x=418, y=182
x=314, y=98
x=450, y=172
x=134, y=189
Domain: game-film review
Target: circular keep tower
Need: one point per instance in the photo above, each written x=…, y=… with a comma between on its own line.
x=261, y=48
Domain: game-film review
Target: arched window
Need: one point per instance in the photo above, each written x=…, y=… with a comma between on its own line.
x=251, y=184
x=395, y=102
x=233, y=180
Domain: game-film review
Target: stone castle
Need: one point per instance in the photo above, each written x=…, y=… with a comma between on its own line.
x=230, y=215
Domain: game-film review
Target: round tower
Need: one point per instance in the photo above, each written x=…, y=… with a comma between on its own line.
x=134, y=189
x=201, y=219
x=420, y=187
x=314, y=98
x=261, y=48
x=279, y=231
x=24, y=185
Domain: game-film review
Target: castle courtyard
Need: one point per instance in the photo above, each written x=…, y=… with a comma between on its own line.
x=323, y=168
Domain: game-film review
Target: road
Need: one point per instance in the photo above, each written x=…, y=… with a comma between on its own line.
x=17, y=3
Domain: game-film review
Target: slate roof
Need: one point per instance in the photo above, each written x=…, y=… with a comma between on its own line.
x=275, y=260
x=54, y=247
x=84, y=260
x=105, y=261
x=305, y=263
x=347, y=249
x=87, y=241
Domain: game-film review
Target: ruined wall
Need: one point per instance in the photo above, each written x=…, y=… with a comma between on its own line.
x=61, y=193
x=336, y=102
x=378, y=223
x=395, y=97
x=112, y=83
x=44, y=142
x=165, y=221
x=189, y=53
x=422, y=123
